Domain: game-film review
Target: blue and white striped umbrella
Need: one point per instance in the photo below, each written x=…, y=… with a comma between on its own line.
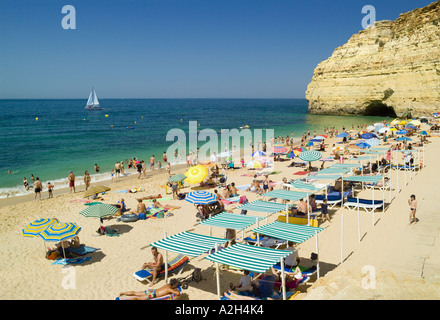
x=60, y=231
x=310, y=155
x=201, y=197
x=258, y=153
x=34, y=228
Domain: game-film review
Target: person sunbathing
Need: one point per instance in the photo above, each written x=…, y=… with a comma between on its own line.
x=141, y=208
x=160, y=205
x=171, y=288
x=149, y=197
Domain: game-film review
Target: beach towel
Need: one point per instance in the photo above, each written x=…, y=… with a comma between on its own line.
x=243, y=187
x=80, y=201
x=71, y=261
x=82, y=250
x=300, y=173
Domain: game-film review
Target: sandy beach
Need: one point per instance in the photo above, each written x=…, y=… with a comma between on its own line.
x=405, y=259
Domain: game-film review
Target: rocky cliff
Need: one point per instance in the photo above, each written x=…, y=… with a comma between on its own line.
x=387, y=68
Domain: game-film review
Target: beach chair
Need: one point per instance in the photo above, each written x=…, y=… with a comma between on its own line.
x=368, y=205
x=331, y=200
x=375, y=186
x=265, y=241
x=175, y=266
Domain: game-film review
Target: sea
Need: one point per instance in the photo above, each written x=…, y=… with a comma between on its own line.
x=49, y=138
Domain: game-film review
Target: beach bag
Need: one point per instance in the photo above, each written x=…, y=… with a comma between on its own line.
x=197, y=275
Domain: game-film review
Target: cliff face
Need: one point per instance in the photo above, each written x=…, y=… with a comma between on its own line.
x=394, y=64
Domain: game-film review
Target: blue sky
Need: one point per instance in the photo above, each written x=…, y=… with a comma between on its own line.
x=175, y=48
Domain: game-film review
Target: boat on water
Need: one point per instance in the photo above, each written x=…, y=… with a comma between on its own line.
x=93, y=102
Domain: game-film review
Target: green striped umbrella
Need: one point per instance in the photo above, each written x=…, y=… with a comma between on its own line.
x=310, y=155
x=177, y=178
x=99, y=210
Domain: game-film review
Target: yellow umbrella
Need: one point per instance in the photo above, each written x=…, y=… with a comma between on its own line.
x=394, y=122
x=96, y=190
x=196, y=174
x=403, y=122
x=393, y=129
x=339, y=148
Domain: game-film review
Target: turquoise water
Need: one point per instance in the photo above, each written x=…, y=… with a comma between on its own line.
x=66, y=137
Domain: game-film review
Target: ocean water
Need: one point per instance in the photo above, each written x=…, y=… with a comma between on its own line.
x=48, y=138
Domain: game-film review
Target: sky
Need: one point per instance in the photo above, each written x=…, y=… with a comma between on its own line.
x=174, y=48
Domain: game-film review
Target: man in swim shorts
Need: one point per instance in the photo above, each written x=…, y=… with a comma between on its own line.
x=149, y=294
x=37, y=188
x=157, y=265
x=71, y=178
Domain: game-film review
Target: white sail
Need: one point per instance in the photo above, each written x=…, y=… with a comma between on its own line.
x=95, y=99
x=93, y=102
x=90, y=101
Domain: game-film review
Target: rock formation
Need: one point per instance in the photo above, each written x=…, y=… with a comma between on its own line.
x=384, y=69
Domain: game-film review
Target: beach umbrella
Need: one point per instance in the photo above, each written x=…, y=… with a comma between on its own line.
x=423, y=133
x=196, y=174
x=265, y=160
x=200, y=197
x=258, y=154
x=403, y=139
x=379, y=124
x=401, y=132
x=415, y=122
x=342, y=135
x=338, y=148
x=403, y=122
x=34, y=228
x=310, y=155
x=254, y=164
x=310, y=143
x=95, y=190
x=59, y=231
x=279, y=149
x=99, y=210
x=371, y=128
x=367, y=136
x=316, y=140
x=384, y=129
x=394, y=122
x=363, y=145
x=321, y=137
x=373, y=142
x=177, y=178
x=291, y=154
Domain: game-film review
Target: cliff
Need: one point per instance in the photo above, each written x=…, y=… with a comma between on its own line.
x=387, y=68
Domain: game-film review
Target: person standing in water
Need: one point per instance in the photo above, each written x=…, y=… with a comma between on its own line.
x=38, y=186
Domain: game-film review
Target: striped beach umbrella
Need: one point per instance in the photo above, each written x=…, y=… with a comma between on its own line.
x=292, y=154
x=99, y=210
x=200, y=197
x=34, y=228
x=196, y=174
x=403, y=139
x=59, y=231
x=258, y=154
x=279, y=149
x=310, y=155
x=177, y=178
x=423, y=133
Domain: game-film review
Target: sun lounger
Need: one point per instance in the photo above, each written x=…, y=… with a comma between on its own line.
x=331, y=200
x=406, y=167
x=265, y=241
x=375, y=186
x=367, y=205
x=174, y=266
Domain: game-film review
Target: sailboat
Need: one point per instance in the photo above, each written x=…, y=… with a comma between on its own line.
x=93, y=103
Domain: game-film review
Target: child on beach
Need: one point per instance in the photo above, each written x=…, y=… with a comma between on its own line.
x=50, y=188
x=413, y=207
x=242, y=162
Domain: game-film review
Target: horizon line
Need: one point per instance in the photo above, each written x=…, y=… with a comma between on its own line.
x=292, y=98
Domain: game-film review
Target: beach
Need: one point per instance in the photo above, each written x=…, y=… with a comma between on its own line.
x=405, y=258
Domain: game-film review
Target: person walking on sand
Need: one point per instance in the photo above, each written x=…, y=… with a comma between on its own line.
x=71, y=178
x=87, y=179
x=152, y=161
x=412, y=209
x=38, y=186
